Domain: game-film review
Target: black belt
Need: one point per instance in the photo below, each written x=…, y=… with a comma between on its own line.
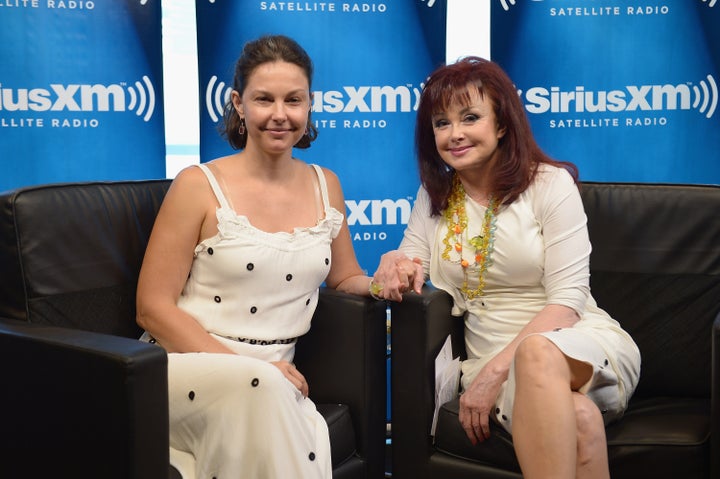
x=262, y=342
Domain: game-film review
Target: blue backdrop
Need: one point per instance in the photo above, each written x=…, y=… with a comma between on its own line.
x=626, y=90
x=80, y=91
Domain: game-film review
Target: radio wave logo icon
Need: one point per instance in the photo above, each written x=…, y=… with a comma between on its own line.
x=216, y=95
x=706, y=96
x=142, y=98
x=711, y=3
x=506, y=4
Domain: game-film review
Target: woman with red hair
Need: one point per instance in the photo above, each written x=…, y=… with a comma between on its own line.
x=501, y=227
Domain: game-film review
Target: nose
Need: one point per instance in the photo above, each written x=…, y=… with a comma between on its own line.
x=456, y=132
x=278, y=111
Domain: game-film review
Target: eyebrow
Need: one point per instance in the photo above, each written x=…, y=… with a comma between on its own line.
x=267, y=92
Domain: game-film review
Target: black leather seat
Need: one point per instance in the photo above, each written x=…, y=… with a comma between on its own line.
x=82, y=398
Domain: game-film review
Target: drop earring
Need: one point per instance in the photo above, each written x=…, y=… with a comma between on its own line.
x=241, y=128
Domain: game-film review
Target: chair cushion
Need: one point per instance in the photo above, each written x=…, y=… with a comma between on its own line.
x=661, y=437
x=680, y=426
x=342, y=434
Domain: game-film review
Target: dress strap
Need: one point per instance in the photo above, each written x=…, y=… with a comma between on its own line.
x=215, y=186
x=323, y=187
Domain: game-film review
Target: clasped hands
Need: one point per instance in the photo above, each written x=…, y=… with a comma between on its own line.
x=397, y=274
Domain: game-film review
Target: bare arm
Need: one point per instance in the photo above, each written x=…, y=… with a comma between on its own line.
x=166, y=266
x=345, y=272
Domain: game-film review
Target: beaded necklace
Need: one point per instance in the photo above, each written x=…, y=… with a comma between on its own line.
x=457, y=221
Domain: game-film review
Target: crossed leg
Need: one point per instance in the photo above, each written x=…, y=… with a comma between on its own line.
x=558, y=432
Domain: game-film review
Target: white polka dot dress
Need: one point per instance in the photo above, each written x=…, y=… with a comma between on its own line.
x=237, y=416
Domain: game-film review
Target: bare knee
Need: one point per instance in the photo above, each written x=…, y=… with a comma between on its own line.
x=537, y=354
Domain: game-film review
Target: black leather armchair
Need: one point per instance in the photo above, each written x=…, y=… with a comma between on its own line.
x=82, y=398
x=655, y=267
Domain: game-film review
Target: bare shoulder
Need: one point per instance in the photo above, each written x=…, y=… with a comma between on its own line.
x=188, y=188
x=332, y=180
x=189, y=175
x=189, y=179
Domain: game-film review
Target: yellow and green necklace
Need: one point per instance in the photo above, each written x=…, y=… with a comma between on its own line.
x=457, y=222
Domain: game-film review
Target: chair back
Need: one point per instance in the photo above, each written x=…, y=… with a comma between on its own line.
x=71, y=253
x=655, y=267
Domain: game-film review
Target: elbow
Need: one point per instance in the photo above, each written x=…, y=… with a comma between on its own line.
x=143, y=313
x=142, y=318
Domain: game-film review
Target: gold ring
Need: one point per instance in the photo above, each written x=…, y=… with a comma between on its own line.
x=375, y=289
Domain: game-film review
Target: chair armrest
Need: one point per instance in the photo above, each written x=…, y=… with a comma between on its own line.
x=343, y=358
x=715, y=401
x=420, y=326
x=103, y=397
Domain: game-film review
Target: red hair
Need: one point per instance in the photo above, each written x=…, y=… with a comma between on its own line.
x=518, y=152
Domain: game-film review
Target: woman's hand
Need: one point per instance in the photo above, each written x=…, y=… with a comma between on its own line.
x=478, y=402
x=294, y=376
x=397, y=274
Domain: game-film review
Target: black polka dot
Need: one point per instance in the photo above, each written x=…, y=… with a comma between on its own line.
x=497, y=410
x=327, y=260
x=191, y=395
x=217, y=299
x=253, y=310
x=504, y=417
x=288, y=277
x=255, y=382
x=607, y=362
x=307, y=302
x=311, y=456
x=210, y=251
x=250, y=266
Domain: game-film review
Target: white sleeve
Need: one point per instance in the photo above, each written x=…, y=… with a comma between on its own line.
x=558, y=206
x=420, y=232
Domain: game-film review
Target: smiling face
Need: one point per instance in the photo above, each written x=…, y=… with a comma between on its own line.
x=275, y=106
x=467, y=133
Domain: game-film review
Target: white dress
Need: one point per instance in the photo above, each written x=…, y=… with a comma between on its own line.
x=237, y=416
x=541, y=256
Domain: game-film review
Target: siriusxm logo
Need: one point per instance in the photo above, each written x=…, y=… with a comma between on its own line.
x=139, y=97
x=702, y=97
x=351, y=99
x=378, y=212
x=367, y=99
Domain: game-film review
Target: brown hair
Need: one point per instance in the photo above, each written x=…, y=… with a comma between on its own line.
x=269, y=48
